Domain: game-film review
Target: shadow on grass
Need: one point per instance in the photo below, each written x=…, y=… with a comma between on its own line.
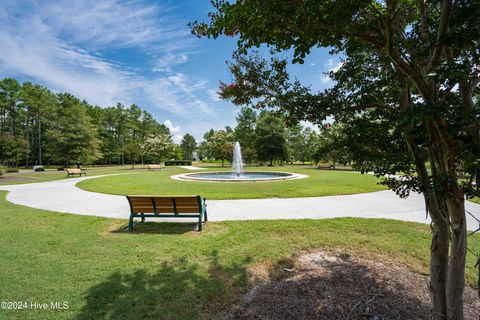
x=158, y=228
x=178, y=290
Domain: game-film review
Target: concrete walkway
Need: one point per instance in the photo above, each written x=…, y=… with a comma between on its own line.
x=191, y=168
x=64, y=196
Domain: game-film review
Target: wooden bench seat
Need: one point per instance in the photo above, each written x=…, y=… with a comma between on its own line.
x=73, y=172
x=155, y=167
x=167, y=207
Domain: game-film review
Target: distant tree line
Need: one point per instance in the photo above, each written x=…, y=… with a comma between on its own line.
x=265, y=137
x=40, y=127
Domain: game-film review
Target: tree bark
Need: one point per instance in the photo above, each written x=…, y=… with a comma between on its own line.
x=447, y=210
x=438, y=263
x=458, y=251
x=39, y=141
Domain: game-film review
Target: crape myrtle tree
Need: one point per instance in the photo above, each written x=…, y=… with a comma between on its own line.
x=220, y=144
x=159, y=147
x=405, y=92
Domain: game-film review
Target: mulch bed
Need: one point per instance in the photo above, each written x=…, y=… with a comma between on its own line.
x=323, y=285
x=16, y=179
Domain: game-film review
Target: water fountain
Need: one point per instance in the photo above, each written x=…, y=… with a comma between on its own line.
x=237, y=174
x=237, y=161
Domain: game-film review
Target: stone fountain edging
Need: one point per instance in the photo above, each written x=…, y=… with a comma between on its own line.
x=187, y=177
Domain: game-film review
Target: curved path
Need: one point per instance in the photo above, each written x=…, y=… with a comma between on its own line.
x=64, y=196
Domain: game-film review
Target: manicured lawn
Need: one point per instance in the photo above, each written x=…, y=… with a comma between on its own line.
x=167, y=271
x=28, y=176
x=319, y=183
x=476, y=199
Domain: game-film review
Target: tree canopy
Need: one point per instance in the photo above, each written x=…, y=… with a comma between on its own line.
x=405, y=94
x=188, y=145
x=38, y=126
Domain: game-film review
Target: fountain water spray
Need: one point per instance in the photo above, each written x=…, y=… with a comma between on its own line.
x=237, y=162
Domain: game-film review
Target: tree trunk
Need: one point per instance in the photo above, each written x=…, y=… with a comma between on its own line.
x=458, y=252
x=123, y=155
x=446, y=208
x=32, y=144
x=12, y=122
x=438, y=265
x=39, y=141
x=4, y=119
x=27, y=147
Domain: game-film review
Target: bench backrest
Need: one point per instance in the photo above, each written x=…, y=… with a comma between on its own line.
x=74, y=170
x=165, y=204
x=155, y=166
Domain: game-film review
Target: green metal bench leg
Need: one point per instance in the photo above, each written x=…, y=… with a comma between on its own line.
x=143, y=218
x=199, y=226
x=205, y=209
x=130, y=223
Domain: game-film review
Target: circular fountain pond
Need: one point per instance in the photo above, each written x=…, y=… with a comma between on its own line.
x=233, y=177
x=237, y=174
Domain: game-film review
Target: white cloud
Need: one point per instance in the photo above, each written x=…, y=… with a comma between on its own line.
x=213, y=93
x=336, y=67
x=168, y=61
x=332, y=67
x=178, y=94
x=174, y=130
x=325, y=79
x=112, y=22
x=67, y=46
x=330, y=63
x=55, y=63
x=60, y=43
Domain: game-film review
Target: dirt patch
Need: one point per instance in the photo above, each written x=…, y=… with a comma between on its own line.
x=323, y=285
x=10, y=179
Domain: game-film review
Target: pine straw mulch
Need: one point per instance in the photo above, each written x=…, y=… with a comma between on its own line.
x=10, y=179
x=322, y=285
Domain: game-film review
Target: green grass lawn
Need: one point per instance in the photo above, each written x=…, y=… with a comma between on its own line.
x=28, y=176
x=167, y=271
x=475, y=199
x=319, y=183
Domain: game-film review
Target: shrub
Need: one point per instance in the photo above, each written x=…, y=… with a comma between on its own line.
x=11, y=170
x=178, y=163
x=61, y=169
x=212, y=161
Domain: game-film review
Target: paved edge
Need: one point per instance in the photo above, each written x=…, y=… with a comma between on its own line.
x=64, y=196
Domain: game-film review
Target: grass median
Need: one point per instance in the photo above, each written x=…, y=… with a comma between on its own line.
x=318, y=183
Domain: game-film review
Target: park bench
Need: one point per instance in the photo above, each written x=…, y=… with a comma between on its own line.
x=326, y=166
x=73, y=172
x=155, y=167
x=167, y=207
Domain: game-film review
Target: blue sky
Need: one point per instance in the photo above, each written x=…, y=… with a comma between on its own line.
x=109, y=51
